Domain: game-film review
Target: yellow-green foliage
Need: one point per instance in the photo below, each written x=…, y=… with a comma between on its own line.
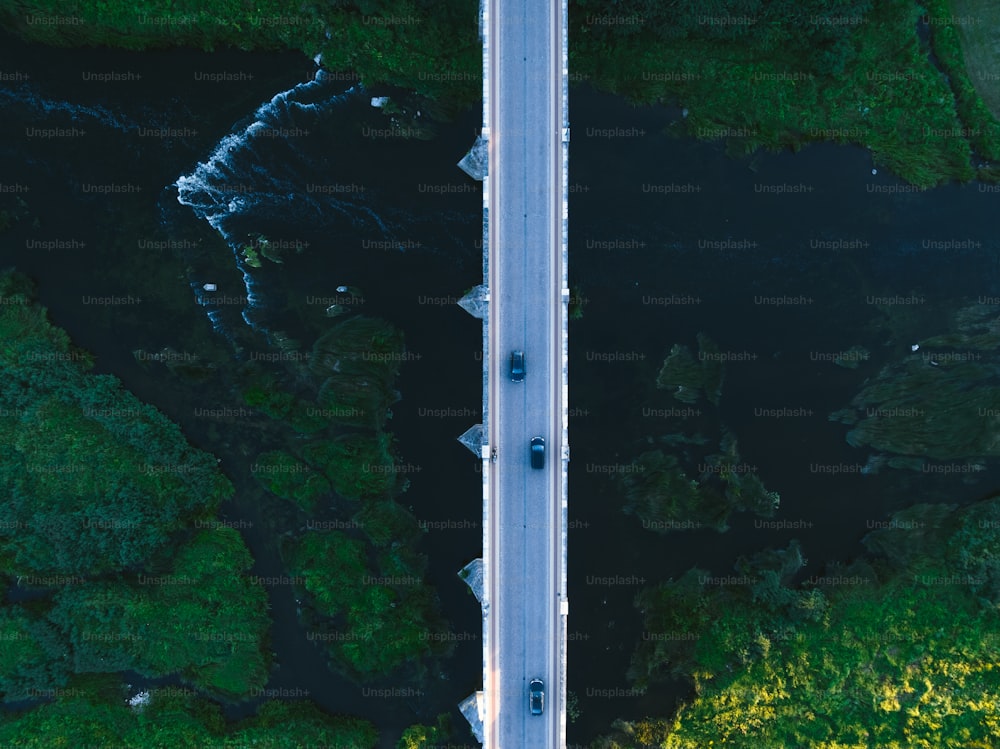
x=903, y=654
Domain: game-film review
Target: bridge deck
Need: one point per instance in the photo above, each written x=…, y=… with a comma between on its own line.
x=525, y=224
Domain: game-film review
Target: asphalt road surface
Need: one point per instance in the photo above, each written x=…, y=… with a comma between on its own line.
x=525, y=245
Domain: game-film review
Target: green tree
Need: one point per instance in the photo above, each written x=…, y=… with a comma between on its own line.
x=93, y=481
x=660, y=493
x=972, y=550
x=265, y=394
x=32, y=656
x=283, y=474
x=425, y=737
x=898, y=658
x=386, y=616
x=204, y=620
x=94, y=712
x=357, y=465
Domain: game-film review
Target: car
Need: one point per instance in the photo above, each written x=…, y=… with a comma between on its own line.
x=537, y=452
x=517, y=366
x=536, y=696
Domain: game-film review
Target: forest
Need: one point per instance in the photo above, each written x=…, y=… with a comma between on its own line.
x=115, y=562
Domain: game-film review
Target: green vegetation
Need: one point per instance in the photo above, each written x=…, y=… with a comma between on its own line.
x=896, y=651
x=283, y=474
x=426, y=737
x=266, y=395
x=355, y=465
x=204, y=620
x=968, y=51
x=260, y=247
x=93, y=480
x=386, y=522
x=773, y=74
x=574, y=309
x=743, y=488
x=979, y=46
x=94, y=712
x=290, y=725
x=683, y=612
x=915, y=410
x=98, y=483
x=769, y=75
x=99, y=490
x=666, y=499
x=656, y=485
x=31, y=656
x=351, y=401
x=251, y=257
x=354, y=363
x=387, y=613
x=435, y=50
x=786, y=72
x=691, y=380
x=364, y=593
x=940, y=402
x=358, y=465
x=357, y=361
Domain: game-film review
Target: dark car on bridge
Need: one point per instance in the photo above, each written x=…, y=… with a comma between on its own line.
x=537, y=452
x=536, y=696
x=517, y=366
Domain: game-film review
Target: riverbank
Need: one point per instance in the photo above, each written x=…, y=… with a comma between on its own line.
x=889, y=77
x=433, y=50
x=871, y=81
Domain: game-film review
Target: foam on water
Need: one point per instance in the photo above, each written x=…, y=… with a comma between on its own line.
x=255, y=172
x=30, y=95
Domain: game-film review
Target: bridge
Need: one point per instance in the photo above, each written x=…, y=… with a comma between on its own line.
x=522, y=157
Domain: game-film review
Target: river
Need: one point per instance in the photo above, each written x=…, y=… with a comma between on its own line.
x=669, y=237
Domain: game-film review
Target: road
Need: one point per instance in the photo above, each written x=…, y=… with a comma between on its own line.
x=525, y=577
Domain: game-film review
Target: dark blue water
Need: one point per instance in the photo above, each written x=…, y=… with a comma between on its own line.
x=697, y=261
x=669, y=238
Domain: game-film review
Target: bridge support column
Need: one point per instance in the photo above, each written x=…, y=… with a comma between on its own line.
x=475, y=162
x=472, y=709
